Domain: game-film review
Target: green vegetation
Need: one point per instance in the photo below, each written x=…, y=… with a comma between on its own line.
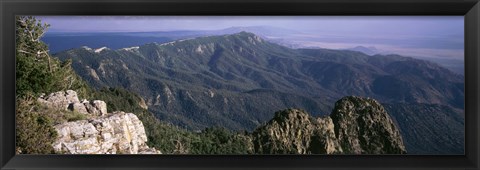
x=169, y=138
x=74, y=116
x=429, y=128
x=220, y=141
x=37, y=72
x=34, y=129
x=237, y=82
x=241, y=86
x=34, y=125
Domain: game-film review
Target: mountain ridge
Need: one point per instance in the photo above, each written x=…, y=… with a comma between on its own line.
x=251, y=78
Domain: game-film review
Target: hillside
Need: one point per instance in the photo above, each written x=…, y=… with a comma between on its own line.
x=429, y=128
x=190, y=91
x=238, y=81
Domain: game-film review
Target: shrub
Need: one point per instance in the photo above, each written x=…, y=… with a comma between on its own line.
x=74, y=116
x=34, y=130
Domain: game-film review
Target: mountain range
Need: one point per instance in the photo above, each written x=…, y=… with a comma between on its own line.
x=60, y=41
x=238, y=80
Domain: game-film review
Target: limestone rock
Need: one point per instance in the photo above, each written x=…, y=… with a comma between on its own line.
x=59, y=100
x=116, y=133
x=68, y=100
x=142, y=104
x=102, y=133
x=96, y=107
x=78, y=107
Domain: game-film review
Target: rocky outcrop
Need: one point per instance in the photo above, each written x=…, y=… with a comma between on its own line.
x=356, y=126
x=68, y=100
x=289, y=131
x=323, y=140
x=101, y=133
x=294, y=131
x=362, y=126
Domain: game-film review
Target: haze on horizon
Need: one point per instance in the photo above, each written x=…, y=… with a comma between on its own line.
x=424, y=36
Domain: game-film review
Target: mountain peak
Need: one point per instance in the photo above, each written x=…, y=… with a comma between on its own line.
x=371, y=50
x=239, y=41
x=245, y=33
x=291, y=114
x=354, y=101
x=356, y=126
x=251, y=37
x=86, y=48
x=363, y=126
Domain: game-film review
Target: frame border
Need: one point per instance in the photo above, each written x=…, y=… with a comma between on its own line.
x=470, y=9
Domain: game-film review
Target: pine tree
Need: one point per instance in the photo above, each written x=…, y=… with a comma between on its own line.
x=36, y=71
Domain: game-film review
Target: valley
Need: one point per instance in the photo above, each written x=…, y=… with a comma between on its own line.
x=239, y=80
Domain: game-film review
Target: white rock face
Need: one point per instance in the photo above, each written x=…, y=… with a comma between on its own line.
x=69, y=101
x=102, y=133
x=131, y=49
x=59, y=100
x=115, y=133
x=98, y=50
x=199, y=49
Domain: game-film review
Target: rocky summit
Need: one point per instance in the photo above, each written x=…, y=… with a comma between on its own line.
x=101, y=132
x=356, y=126
x=362, y=126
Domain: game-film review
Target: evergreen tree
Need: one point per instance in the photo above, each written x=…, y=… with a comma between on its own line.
x=36, y=71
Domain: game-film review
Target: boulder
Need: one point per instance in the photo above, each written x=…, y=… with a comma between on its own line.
x=59, y=100
x=78, y=107
x=96, y=107
x=68, y=100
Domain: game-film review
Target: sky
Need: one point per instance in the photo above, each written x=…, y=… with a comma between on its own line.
x=428, y=36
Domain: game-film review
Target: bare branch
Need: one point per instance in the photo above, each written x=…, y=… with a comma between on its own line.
x=42, y=52
x=38, y=38
x=22, y=51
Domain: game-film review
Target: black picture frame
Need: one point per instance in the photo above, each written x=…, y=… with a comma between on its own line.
x=470, y=9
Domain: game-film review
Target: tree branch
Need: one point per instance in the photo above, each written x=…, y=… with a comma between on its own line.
x=26, y=52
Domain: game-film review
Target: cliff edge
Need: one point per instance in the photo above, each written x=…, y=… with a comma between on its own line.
x=99, y=132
